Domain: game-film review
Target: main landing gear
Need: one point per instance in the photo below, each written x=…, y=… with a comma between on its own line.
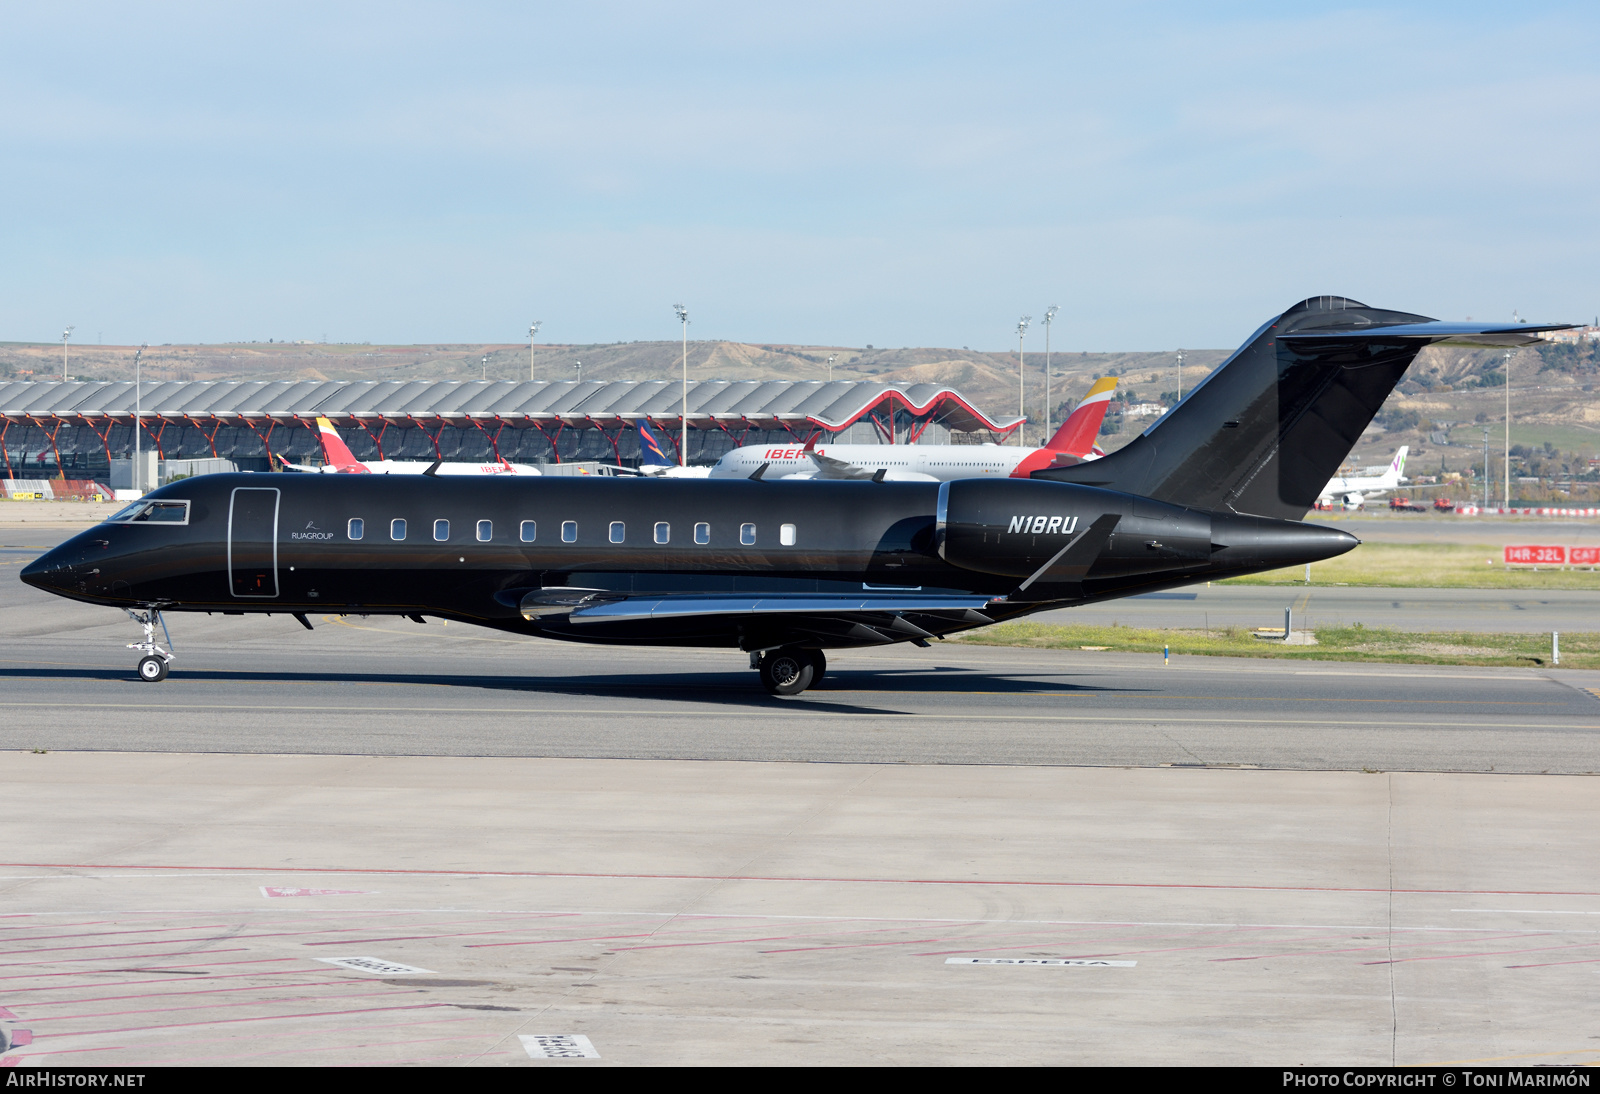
x=790, y=670
x=154, y=664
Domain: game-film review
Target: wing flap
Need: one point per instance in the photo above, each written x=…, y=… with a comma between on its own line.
x=681, y=607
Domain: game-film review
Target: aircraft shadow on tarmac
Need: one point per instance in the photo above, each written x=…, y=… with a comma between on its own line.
x=726, y=688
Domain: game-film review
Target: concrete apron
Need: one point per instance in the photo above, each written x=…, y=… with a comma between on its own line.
x=185, y=909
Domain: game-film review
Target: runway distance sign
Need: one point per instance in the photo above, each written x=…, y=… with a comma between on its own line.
x=1537, y=555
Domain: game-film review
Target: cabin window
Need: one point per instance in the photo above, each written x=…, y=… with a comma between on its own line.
x=702, y=533
x=356, y=528
x=663, y=532
x=618, y=531
x=441, y=530
x=786, y=535
x=530, y=531
x=569, y=531
x=397, y=529
x=485, y=531
x=747, y=534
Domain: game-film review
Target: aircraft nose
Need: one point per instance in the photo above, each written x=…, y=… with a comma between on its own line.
x=45, y=572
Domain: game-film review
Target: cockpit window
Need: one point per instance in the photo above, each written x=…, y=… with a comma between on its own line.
x=154, y=512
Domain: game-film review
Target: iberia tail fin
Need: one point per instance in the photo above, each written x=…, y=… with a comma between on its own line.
x=1077, y=434
x=335, y=451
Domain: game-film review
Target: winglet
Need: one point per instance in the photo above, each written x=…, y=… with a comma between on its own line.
x=433, y=468
x=755, y=476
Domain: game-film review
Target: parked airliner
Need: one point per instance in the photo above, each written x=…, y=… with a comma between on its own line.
x=1073, y=443
x=1354, y=490
x=341, y=461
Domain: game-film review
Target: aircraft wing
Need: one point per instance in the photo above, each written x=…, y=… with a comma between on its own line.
x=830, y=468
x=860, y=619
x=299, y=468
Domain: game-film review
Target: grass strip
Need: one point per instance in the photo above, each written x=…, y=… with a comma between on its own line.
x=1430, y=565
x=1354, y=643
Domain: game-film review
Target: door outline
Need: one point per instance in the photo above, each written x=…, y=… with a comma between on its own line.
x=233, y=499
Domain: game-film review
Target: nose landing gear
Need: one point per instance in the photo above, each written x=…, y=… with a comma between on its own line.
x=154, y=664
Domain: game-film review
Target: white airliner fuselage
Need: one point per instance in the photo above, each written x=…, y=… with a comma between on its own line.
x=899, y=462
x=1355, y=489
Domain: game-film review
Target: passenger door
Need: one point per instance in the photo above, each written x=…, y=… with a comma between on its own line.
x=253, y=542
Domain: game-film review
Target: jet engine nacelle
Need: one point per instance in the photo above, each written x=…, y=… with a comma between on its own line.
x=1354, y=501
x=1012, y=527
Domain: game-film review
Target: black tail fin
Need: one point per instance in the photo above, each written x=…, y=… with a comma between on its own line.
x=1265, y=432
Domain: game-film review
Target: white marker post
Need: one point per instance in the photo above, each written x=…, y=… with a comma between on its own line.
x=1555, y=647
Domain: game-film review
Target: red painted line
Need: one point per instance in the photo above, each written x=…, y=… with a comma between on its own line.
x=266, y=1036
x=179, y=994
x=1552, y=964
x=80, y=972
x=553, y=941
x=163, y=980
x=1383, y=946
x=1035, y=934
x=965, y=883
x=1489, y=953
x=281, y=1052
x=10, y=1061
x=63, y=1052
x=124, y=957
x=262, y=1018
x=414, y=937
x=7, y=1015
x=1124, y=942
x=212, y=1006
x=109, y=946
x=35, y=926
x=107, y=934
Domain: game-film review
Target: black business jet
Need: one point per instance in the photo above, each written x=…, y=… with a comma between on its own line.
x=784, y=570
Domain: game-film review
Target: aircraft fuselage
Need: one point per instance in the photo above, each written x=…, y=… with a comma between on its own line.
x=484, y=551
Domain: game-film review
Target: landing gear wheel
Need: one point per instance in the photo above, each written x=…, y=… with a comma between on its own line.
x=787, y=671
x=152, y=670
x=819, y=666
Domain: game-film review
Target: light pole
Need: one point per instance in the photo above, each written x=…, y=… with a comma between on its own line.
x=1049, y=407
x=683, y=445
x=1022, y=329
x=1180, y=376
x=138, y=411
x=831, y=358
x=533, y=329
x=1508, y=428
x=64, y=336
x=579, y=366
x=1486, y=467
x=486, y=368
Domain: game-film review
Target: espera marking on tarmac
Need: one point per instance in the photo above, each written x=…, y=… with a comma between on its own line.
x=805, y=879
x=1155, y=716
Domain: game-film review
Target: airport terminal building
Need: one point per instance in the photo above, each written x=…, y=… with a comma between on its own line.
x=79, y=430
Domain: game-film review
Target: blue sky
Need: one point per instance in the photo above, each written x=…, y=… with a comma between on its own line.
x=895, y=174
